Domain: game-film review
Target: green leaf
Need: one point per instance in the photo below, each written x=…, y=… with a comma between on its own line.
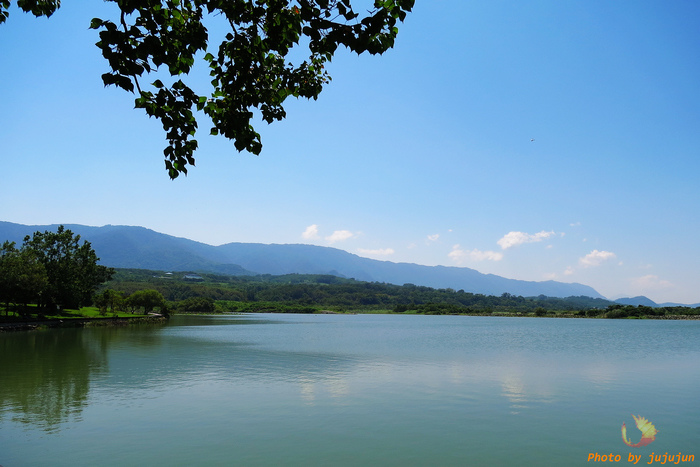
x=255, y=67
x=95, y=23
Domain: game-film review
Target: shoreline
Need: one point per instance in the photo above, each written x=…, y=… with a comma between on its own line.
x=79, y=323
x=498, y=314
x=156, y=318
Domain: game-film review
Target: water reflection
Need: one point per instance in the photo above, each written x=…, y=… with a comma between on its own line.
x=411, y=388
x=46, y=375
x=602, y=374
x=514, y=391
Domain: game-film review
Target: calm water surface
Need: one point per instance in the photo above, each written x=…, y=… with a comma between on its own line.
x=347, y=390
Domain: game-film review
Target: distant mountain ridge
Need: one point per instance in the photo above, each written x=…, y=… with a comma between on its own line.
x=138, y=247
x=644, y=301
x=636, y=301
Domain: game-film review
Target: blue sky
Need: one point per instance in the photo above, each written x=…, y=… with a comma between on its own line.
x=421, y=155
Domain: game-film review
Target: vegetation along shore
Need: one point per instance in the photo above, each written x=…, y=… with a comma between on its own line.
x=53, y=280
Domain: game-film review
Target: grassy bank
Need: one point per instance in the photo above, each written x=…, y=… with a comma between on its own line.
x=31, y=319
x=33, y=313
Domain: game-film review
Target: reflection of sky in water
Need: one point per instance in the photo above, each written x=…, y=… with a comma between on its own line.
x=339, y=357
x=526, y=360
x=416, y=386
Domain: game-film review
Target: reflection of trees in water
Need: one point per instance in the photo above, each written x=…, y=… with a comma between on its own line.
x=46, y=375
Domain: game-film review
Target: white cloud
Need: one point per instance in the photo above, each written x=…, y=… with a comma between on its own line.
x=512, y=239
x=651, y=282
x=433, y=238
x=574, y=224
x=311, y=232
x=339, y=236
x=595, y=258
x=459, y=256
x=569, y=271
x=378, y=252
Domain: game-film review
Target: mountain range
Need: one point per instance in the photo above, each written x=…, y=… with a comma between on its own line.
x=644, y=301
x=137, y=247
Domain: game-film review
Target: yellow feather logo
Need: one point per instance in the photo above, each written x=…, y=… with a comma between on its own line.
x=648, y=430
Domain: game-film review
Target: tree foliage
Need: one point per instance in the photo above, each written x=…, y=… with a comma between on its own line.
x=251, y=70
x=50, y=269
x=308, y=293
x=196, y=305
x=146, y=300
x=22, y=276
x=109, y=299
x=72, y=272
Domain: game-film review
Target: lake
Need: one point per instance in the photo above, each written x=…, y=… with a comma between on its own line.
x=349, y=390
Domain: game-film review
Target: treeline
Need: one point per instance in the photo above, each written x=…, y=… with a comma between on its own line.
x=304, y=293
x=145, y=301
x=53, y=270
x=332, y=292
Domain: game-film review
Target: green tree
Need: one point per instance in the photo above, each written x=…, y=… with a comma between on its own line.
x=147, y=300
x=109, y=299
x=196, y=305
x=251, y=68
x=72, y=271
x=7, y=274
x=22, y=276
x=31, y=279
